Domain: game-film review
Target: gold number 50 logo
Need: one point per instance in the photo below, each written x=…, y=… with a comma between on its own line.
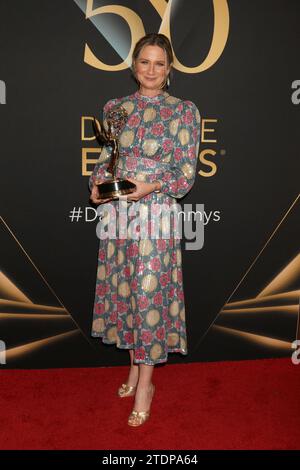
x=135, y=24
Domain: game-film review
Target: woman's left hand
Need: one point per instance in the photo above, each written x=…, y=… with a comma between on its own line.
x=142, y=189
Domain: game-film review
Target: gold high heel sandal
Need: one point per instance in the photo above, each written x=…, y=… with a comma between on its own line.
x=126, y=391
x=137, y=418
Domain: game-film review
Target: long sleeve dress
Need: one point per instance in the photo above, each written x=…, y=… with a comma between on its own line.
x=139, y=296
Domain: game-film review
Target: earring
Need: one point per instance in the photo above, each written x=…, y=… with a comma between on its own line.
x=166, y=82
x=163, y=84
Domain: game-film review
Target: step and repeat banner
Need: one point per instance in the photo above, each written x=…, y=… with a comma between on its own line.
x=60, y=62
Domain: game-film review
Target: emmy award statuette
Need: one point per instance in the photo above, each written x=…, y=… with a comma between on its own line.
x=115, y=187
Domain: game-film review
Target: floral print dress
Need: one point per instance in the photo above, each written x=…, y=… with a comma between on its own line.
x=139, y=296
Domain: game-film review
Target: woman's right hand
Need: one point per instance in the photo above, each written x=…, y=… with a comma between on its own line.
x=94, y=196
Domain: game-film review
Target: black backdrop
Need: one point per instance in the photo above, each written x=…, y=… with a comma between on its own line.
x=242, y=288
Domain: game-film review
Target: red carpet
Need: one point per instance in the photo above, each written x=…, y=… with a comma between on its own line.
x=220, y=405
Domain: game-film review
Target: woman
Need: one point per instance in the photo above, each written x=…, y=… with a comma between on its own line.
x=139, y=299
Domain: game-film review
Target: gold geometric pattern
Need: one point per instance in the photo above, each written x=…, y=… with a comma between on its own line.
x=276, y=302
x=15, y=305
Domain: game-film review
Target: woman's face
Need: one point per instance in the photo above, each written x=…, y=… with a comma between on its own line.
x=151, y=67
